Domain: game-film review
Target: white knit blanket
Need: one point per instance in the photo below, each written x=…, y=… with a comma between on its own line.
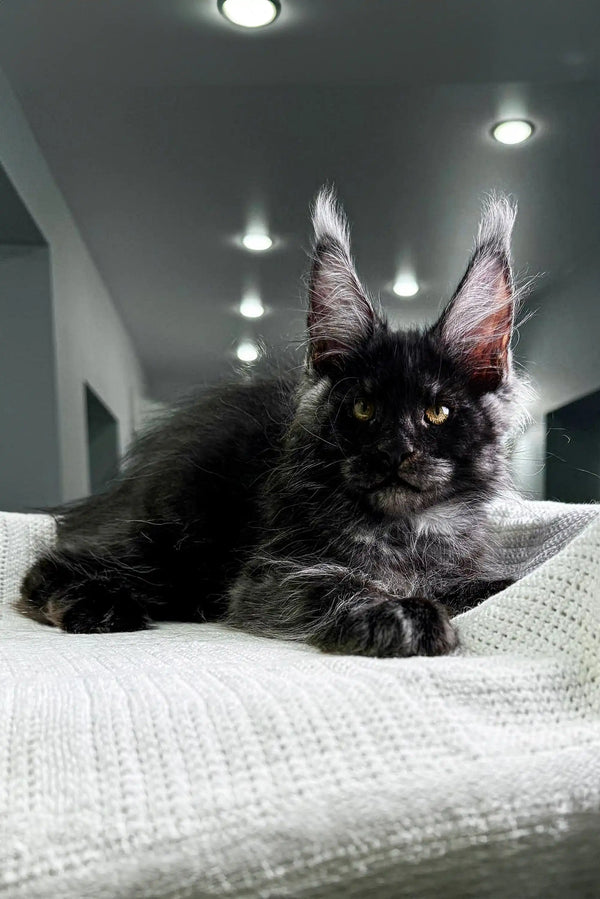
x=193, y=761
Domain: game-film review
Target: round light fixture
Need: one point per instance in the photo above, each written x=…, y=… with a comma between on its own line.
x=513, y=131
x=250, y=13
x=247, y=351
x=405, y=286
x=257, y=243
x=252, y=307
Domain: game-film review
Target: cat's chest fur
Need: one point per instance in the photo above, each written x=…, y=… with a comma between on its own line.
x=424, y=552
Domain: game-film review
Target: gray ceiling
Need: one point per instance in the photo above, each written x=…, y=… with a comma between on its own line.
x=168, y=130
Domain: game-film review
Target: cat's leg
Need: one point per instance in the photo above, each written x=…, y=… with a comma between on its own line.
x=87, y=585
x=86, y=590
x=337, y=610
x=470, y=594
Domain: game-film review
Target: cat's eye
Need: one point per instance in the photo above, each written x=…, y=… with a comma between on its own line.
x=363, y=409
x=437, y=415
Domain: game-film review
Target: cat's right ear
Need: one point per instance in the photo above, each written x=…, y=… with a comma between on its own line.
x=340, y=315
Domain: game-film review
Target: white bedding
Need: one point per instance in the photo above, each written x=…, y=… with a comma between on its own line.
x=192, y=761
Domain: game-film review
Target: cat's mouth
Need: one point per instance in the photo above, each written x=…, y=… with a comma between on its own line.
x=396, y=496
x=394, y=483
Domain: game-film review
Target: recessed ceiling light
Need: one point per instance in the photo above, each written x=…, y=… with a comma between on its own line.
x=247, y=351
x=252, y=307
x=405, y=286
x=250, y=13
x=258, y=243
x=513, y=131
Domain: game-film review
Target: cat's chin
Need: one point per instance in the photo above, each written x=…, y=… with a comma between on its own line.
x=400, y=499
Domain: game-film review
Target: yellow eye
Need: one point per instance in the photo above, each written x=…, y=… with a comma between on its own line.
x=363, y=410
x=437, y=415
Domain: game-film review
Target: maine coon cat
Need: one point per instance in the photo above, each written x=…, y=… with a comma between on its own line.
x=344, y=505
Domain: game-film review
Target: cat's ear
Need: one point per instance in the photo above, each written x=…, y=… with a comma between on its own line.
x=340, y=315
x=477, y=324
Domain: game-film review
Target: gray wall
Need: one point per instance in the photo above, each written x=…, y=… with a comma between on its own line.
x=29, y=445
x=529, y=459
x=91, y=342
x=560, y=347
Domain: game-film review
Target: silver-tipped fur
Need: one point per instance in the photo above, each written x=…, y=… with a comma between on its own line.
x=340, y=312
x=329, y=220
x=497, y=222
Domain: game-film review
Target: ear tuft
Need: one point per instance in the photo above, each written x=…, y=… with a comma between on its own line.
x=340, y=315
x=496, y=225
x=329, y=221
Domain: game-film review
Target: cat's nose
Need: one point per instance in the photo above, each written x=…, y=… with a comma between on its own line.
x=406, y=459
x=397, y=459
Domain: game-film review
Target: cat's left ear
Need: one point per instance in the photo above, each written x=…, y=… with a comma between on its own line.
x=340, y=315
x=477, y=324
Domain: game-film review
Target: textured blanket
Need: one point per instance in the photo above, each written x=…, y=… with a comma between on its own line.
x=192, y=761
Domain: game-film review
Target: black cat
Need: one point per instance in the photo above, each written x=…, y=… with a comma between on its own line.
x=344, y=505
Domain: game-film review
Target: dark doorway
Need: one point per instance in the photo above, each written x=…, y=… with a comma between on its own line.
x=573, y=451
x=103, y=442
x=30, y=476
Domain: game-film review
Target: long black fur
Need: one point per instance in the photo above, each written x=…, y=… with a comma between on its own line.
x=267, y=503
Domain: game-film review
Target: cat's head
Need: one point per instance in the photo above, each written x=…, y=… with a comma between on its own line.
x=409, y=419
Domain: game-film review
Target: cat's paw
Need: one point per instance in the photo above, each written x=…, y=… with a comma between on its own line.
x=391, y=628
x=427, y=627
x=98, y=611
x=45, y=579
x=54, y=593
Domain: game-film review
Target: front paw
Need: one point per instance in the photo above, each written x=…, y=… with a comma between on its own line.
x=390, y=628
x=98, y=611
